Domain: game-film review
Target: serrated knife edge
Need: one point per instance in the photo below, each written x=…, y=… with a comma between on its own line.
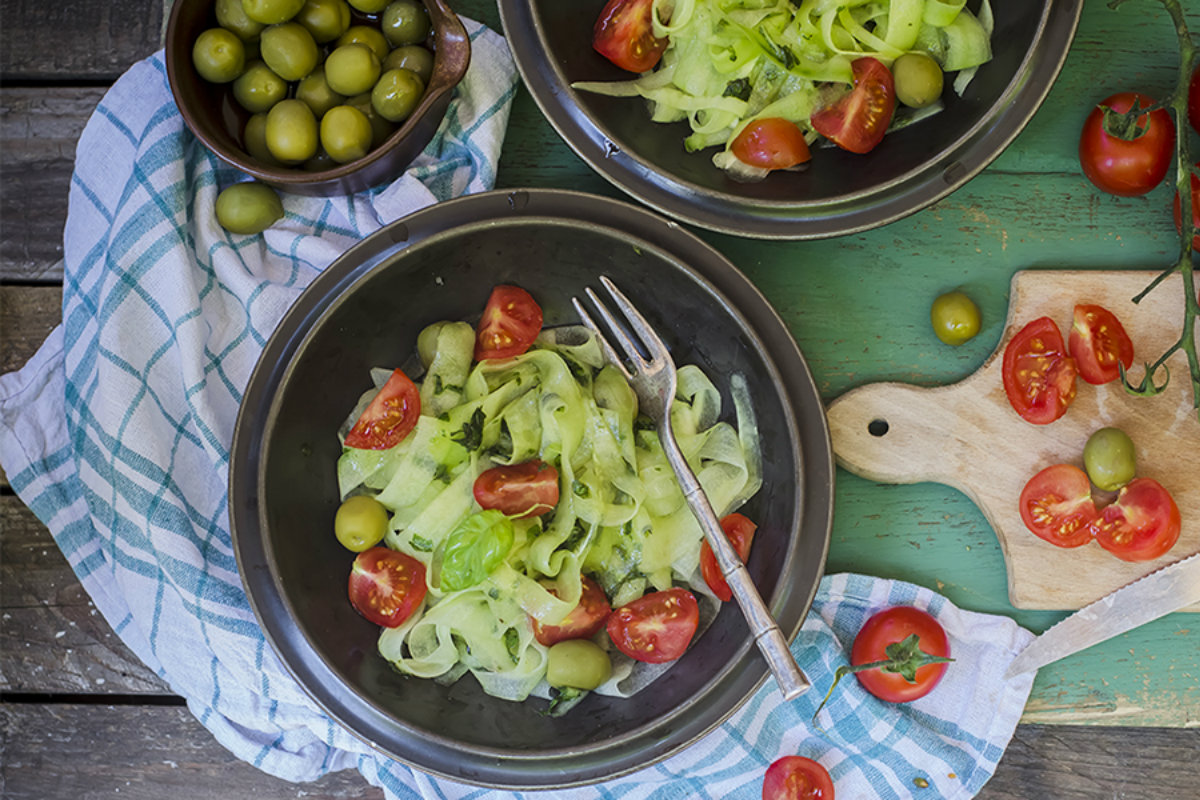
x=1170, y=588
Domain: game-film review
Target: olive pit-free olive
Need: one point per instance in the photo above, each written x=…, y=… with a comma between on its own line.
x=360, y=523
x=416, y=57
x=326, y=20
x=289, y=50
x=271, y=12
x=345, y=133
x=918, y=79
x=1110, y=459
x=314, y=90
x=351, y=69
x=231, y=16
x=397, y=94
x=404, y=22
x=577, y=664
x=218, y=55
x=248, y=208
x=955, y=317
x=258, y=88
x=292, y=135
x=368, y=36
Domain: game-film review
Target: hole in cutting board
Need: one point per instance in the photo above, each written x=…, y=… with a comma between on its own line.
x=877, y=427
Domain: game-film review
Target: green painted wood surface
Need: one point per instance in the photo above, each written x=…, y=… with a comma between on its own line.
x=865, y=319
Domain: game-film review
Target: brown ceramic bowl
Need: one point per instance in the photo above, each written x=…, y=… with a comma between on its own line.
x=216, y=119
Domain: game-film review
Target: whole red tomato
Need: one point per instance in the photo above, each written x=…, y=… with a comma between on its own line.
x=906, y=637
x=1131, y=162
x=1195, y=194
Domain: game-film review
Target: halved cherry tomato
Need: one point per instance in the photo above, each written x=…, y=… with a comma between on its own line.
x=1195, y=183
x=656, y=627
x=1056, y=504
x=1039, y=376
x=740, y=532
x=797, y=778
x=584, y=621
x=859, y=119
x=520, y=490
x=386, y=586
x=511, y=321
x=771, y=143
x=624, y=35
x=389, y=416
x=1098, y=343
x=1127, y=167
x=1141, y=524
x=892, y=626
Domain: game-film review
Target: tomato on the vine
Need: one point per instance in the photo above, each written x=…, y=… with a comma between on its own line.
x=883, y=639
x=624, y=34
x=771, y=143
x=386, y=586
x=1056, y=504
x=389, y=417
x=858, y=120
x=511, y=321
x=1141, y=524
x=518, y=490
x=656, y=627
x=740, y=532
x=1127, y=166
x=584, y=621
x=797, y=778
x=1038, y=374
x=1099, y=344
x=1195, y=184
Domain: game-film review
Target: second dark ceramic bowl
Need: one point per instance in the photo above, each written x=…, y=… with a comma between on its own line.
x=365, y=310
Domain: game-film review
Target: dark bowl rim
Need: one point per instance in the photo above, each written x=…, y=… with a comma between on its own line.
x=731, y=214
x=486, y=766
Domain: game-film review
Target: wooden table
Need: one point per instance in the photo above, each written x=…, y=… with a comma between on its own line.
x=81, y=717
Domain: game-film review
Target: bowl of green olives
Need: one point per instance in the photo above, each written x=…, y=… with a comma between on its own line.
x=318, y=97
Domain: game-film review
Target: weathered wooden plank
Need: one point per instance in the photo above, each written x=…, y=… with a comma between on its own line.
x=85, y=751
x=27, y=315
x=77, y=40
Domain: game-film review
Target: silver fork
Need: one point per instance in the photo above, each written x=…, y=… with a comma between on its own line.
x=653, y=381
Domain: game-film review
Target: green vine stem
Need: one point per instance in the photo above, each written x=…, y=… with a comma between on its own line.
x=1177, y=104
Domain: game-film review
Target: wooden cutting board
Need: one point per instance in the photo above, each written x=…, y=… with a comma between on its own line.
x=966, y=435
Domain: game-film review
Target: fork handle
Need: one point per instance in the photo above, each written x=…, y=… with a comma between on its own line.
x=767, y=635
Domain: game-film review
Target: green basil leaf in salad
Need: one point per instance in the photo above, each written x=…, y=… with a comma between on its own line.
x=476, y=547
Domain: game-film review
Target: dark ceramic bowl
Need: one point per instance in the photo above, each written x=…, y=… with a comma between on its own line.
x=365, y=310
x=840, y=192
x=216, y=119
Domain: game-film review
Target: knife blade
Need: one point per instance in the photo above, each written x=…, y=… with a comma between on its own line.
x=1165, y=590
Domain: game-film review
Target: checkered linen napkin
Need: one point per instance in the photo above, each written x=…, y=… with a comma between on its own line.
x=117, y=434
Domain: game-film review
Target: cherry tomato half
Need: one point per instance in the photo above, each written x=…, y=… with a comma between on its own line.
x=1195, y=206
x=1056, y=504
x=511, y=321
x=624, y=34
x=740, y=532
x=584, y=621
x=797, y=778
x=1141, y=524
x=771, y=143
x=1099, y=344
x=859, y=119
x=1127, y=167
x=894, y=625
x=520, y=490
x=386, y=586
x=656, y=627
x=389, y=417
x=1039, y=376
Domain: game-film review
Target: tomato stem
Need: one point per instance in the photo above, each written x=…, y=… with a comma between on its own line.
x=1176, y=104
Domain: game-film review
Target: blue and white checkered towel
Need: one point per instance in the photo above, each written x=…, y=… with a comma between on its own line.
x=117, y=434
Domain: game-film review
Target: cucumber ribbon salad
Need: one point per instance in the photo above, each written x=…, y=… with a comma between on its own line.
x=517, y=519
x=765, y=79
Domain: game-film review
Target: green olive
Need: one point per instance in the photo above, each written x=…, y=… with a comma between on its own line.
x=218, y=55
x=404, y=22
x=326, y=20
x=258, y=88
x=411, y=56
x=380, y=127
x=360, y=523
x=314, y=90
x=290, y=50
x=577, y=664
x=248, y=208
x=397, y=94
x=955, y=318
x=292, y=131
x=1110, y=459
x=254, y=140
x=231, y=16
x=918, y=79
x=368, y=36
x=345, y=133
x=369, y=6
x=271, y=12
x=351, y=69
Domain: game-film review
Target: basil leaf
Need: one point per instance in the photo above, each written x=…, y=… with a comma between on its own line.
x=477, y=546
